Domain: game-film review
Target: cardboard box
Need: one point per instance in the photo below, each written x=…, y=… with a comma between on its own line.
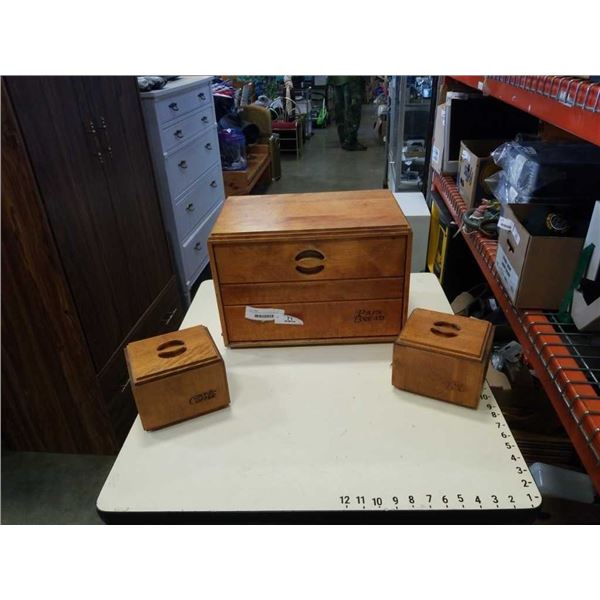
x=587, y=316
x=474, y=166
x=472, y=116
x=414, y=207
x=536, y=270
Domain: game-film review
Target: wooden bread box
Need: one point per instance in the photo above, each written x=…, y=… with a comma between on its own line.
x=443, y=356
x=176, y=376
x=324, y=268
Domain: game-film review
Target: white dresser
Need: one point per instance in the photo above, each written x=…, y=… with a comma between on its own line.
x=181, y=127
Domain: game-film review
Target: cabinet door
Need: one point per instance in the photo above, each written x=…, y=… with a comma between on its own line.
x=116, y=105
x=109, y=246
x=50, y=397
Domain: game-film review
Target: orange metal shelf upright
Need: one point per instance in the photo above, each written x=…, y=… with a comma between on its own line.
x=548, y=345
x=570, y=103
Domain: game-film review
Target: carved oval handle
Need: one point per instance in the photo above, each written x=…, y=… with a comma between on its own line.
x=178, y=134
x=208, y=146
x=213, y=183
x=202, y=96
x=182, y=164
x=198, y=246
x=309, y=270
x=190, y=207
x=173, y=106
x=204, y=119
x=449, y=329
x=309, y=256
x=171, y=348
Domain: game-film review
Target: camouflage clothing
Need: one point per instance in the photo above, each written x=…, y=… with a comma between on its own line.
x=348, y=105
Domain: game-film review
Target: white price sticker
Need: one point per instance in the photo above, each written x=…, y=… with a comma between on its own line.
x=507, y=274
x=262, y=314
x=287, y=320
x=276, y=315
x=509, y=225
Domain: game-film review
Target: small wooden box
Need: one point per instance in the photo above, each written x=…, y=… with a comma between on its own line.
x=325, y=268
x=442, y=356
x=176, y=376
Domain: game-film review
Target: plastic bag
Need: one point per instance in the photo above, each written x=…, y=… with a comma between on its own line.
x=232, y=144
x=545, y=170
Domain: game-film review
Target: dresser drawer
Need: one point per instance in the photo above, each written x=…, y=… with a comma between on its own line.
x=194, y=251
x=182, y=131
x=195, y=204
x=311, y=260
x=312, y=291
x=185, y=165
x=324, y=321
x=178, y=105
x=165, y=314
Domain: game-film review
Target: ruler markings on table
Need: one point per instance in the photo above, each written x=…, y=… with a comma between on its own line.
x=458, y=499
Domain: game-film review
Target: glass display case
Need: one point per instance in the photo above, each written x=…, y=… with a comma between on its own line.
x=410, y=100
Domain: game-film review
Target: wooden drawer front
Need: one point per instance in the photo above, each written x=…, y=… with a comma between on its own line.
x=322, y=321
x=312, y=291
x=165, y=314
x=194, y=249
x=186, y=164
x=301, y=260
x=204, y=195
x=182, y=131
x=178, y=105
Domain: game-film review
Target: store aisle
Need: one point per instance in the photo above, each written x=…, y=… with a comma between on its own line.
x=325, y=167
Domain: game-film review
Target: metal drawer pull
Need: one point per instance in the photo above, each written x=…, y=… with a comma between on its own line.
x=169, y=317
x=208, y=146
x=173, y=106
x=213, y=183
x=182, y=164
x=202, y=96
x=178, y=134
x=204, y=119
x=190, y=207
x=198, y=246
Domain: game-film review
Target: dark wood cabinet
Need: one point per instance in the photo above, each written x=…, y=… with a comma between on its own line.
x=85, y=262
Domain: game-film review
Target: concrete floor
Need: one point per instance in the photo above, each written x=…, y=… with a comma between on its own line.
x=40, y=488
x=325, y=167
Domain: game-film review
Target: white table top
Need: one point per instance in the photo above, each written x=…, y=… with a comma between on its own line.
x=321, y=428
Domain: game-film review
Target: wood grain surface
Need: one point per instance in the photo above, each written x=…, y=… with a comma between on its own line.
x=328, y=259
x=176, y=377
x=442, y=356
x=286, y=213
x=50, y=398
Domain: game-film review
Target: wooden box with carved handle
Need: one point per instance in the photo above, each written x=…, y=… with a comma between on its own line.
x=443, y=356
x=323, y=268
x=176, y=376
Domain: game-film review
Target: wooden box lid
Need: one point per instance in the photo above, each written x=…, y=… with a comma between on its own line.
x=171, y=353
x=447, y=334
x=278, y=215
